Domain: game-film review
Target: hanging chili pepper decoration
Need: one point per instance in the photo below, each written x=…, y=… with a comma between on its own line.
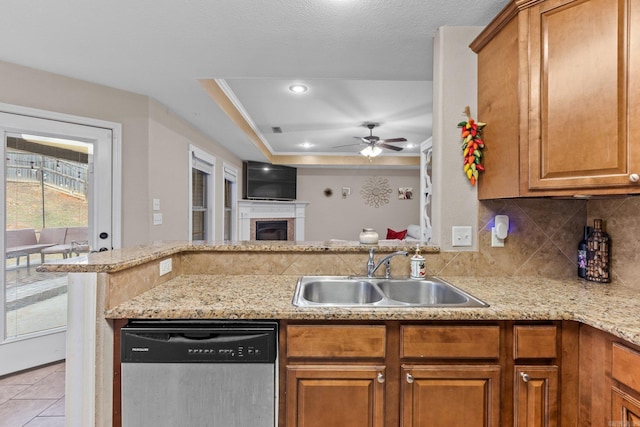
x=472, y=145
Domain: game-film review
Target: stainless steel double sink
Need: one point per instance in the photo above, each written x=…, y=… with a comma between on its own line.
x=346, y=291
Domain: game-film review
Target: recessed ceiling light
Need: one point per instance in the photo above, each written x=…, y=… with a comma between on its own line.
x=298, y=88
x=409, y=145
x=306, y=145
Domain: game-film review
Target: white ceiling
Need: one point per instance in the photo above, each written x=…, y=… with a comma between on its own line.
x=363, y=60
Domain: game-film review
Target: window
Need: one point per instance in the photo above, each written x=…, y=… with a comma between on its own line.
x=230, y=196
x=201, y=227
x=198, y=205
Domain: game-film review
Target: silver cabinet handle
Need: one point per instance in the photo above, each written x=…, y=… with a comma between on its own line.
x=410, y=378
x=634, y=177
x=381, y=377
x=525, y=377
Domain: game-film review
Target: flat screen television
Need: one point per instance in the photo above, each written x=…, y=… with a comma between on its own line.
x=264, y=181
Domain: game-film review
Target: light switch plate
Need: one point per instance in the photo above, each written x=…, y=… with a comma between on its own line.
x=156, y=204
x=461, y=236
x=157, y=219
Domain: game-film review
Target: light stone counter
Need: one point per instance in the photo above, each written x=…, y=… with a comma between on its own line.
x=611, y=308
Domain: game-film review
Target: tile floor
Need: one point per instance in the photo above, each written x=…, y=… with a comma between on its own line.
x=33, y=398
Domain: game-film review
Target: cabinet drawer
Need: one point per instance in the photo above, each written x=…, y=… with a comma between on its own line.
x=534, y=342
x=318, y=341
x=626, y=366
x=450, y=342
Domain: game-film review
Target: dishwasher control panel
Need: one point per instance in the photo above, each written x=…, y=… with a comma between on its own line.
x=240, y=351
x=198, y=341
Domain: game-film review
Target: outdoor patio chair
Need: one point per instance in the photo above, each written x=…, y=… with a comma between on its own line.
x=75, y=241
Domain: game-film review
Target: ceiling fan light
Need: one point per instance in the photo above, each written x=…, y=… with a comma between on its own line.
x=370, y=151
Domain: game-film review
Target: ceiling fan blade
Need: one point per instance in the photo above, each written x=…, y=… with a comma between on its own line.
x=390, y=147
x=394, y=140
x=347, y=145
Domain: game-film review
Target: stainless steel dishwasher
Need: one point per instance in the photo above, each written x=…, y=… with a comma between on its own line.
x=199, y=373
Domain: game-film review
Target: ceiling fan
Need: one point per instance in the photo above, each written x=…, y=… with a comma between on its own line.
x=373, y=143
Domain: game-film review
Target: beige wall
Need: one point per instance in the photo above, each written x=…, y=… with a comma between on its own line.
x=455, y=201
x=154, y=145
x=46, y=91
x=169, y=140
x=337, y=218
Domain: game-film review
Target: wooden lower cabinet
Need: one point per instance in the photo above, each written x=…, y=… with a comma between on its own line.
x=335, y=395
x=428, y=374
x=625, y=410
x=536, y=396
x=450, y=395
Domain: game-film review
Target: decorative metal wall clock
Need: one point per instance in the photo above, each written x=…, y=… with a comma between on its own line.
x=376, y=191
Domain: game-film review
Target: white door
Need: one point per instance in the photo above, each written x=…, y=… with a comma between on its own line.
x=32, y=331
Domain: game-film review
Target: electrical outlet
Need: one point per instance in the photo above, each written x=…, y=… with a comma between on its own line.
x=165, y=266
x=461, y=236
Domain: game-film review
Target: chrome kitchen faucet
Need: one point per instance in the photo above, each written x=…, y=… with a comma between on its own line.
x=372, y=266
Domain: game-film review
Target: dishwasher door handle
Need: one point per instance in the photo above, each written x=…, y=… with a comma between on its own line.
x=210, y=338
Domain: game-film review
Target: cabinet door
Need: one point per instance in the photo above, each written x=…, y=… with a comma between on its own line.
x=625, y=410
x=581, y=95
x=536, y=396
x=335, y=395
x=450, y=395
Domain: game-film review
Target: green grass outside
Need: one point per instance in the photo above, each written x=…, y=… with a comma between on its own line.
x=24, y=207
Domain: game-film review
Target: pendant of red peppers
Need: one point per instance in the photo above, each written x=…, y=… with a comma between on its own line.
x=472, y=145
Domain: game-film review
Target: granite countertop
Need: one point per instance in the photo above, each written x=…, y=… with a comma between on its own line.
x=121, y=259
x=611, y=308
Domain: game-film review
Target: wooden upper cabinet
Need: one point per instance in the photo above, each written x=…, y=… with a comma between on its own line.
x=558, y=88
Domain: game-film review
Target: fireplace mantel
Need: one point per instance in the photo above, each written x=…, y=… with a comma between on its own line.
x=270, y=209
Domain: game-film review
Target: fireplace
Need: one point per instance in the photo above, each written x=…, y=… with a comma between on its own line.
x=271, y=229
x=283, y=220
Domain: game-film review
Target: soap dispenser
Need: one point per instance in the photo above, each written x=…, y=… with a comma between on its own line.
x=418, y=266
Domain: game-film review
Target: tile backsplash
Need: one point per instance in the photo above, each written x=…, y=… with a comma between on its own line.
x=622, y=222
x=543, y=239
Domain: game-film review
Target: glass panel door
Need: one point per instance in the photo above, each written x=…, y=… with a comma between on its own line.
x=54, y=204
x=46, y=219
